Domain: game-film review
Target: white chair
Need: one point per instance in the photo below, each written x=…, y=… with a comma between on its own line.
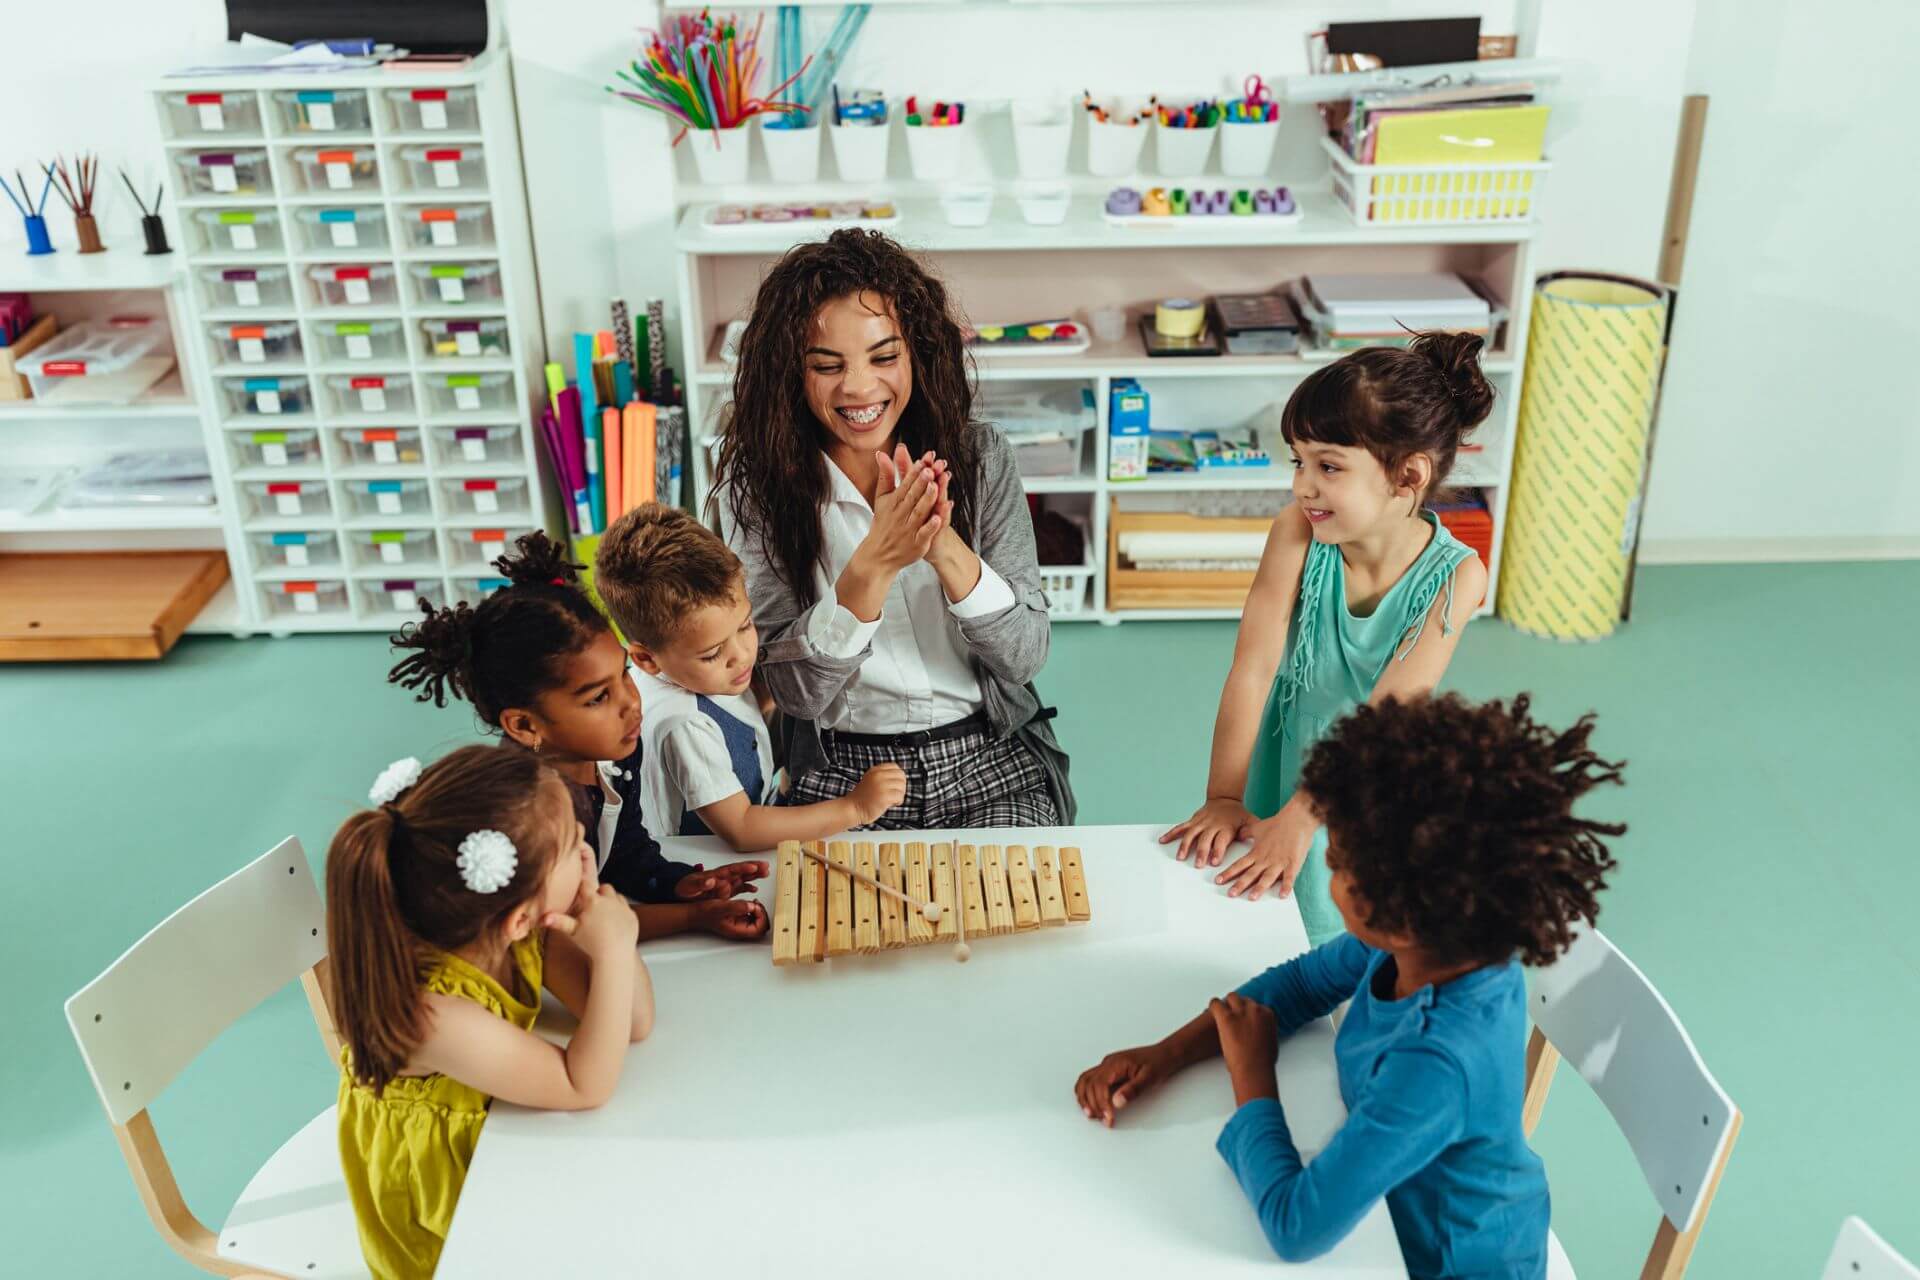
x=1859, y=1254
x=1596, y=1009
x=161, y=1004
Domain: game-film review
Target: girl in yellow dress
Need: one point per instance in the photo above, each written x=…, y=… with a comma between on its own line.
x=450, y=903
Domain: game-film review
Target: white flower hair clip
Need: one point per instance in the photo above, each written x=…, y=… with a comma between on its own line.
x=394, y=779
x=487, y=861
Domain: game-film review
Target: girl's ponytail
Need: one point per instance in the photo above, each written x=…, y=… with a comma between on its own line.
x=1456, y=357
x=441, y=663
x=538, y=561
x=375, y=956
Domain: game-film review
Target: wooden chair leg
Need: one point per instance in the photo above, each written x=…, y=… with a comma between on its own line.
x=186, y=1234
x=1542, y=1058
x=1672, y=1247
x=317, y=982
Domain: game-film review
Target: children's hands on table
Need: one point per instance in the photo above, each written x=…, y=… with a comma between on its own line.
x=729, y=881
x=1104, y=1090
x=1249, y=1041
x=882, y=787
x=1280, y=846
x=739, y=919
x=603, y=926
x=1207, y=835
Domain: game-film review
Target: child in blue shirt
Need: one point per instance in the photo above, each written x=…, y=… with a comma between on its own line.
x=1454, y=858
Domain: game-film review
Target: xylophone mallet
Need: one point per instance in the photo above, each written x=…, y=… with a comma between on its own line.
x=961, y=951
x=930, y=910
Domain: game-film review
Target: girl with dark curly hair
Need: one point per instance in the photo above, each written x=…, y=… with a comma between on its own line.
x=889, y=553
x=1361, y=591
x=542, y=666
x=1456, y=858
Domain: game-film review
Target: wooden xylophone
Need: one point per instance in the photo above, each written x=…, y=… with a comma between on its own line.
x=826, y=903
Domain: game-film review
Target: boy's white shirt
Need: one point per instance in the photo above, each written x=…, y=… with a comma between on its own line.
x=679, y=738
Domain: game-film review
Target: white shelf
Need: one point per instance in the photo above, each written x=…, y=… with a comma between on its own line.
x=166, y=398
x=273, y=475
x=1082, y=483
x=65, y=270
x=109, y=519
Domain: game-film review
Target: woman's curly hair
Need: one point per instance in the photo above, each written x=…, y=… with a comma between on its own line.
x=1455, y=822
x=772, y=473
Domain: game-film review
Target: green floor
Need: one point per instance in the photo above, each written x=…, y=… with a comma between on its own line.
x=1767, y=885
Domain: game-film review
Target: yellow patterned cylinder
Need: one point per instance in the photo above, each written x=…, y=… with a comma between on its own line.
x=1593, y=368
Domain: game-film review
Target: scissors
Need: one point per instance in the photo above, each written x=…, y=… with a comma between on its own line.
x=1256, y=92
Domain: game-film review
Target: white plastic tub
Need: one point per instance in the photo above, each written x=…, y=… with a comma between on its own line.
x=247, y=287
x=398, y=595
x=354, y=286
x=297, y=447
x=1182, y=153
x=479, y=548
x=967, y=204
x=380, y=446
x=483, y=497
x=458, y=168
x=934, y=151
x=388, y=497
x=212, y=114
x=224, y=173
x=239, y=230
x=358, y=339
x=266, y=397
x=338, y=168
x=266, y=343
x=452, y=109
x=355, y=227
x=463, y=339
x=294, y=599
x=372, y=393
x=1042, y=132
x=284, y=499
x=98, y=362
x=451, y=226
x=455, y=446
x=469, y=392
x=373, y=548
x=1043, y=204
x=455, y=283
x=315, y=549
x=323, y=110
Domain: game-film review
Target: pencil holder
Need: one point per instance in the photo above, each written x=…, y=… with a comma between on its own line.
x=860, y=151
x=934, y=150
x=37, y=241
x=1246, y=147
x=1042, y=132
x=155, y=232
x=720, y=155
x=1182, y=153
x=793, y=154
x=88, y=232
x=1113, y=150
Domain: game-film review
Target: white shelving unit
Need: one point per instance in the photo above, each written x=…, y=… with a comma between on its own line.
x=391, y=463
x=1008, y=271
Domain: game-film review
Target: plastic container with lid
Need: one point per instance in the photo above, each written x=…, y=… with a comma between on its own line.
x=434, y=110
x=471, y=591
x=354, y=286
x=239, y=230
x=296, y=550
x=374, y=547
x=398, y=595
x=294, y=598
x=358, y=339
x=98, y=362
x=477, y=497
x=1045, y=424
x=388, y=497
x=380, y=446
x=469, y=392
x=281, y=499
x=463, y=339
x=297, y=447
x=346, y=227
x=338, y=168
x=212, y=114
x=378, y=393
x=224, y=173
x=457, y=446
x=248, y=287
x=452, y=168
x=479, y=548
x=256, y=343
x=323, y=110
x=455, y=283
x=266, y=397
x=451, y=226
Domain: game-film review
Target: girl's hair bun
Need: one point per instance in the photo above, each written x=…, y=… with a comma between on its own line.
x=538, y=560
x=1457, y=358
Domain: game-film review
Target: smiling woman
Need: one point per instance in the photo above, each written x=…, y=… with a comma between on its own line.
x=889, y=554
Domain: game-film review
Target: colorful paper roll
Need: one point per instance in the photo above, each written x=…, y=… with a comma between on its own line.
x=1593, y=369
x=1178, y=318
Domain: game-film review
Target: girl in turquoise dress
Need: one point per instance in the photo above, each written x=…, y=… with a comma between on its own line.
x=1361, y=595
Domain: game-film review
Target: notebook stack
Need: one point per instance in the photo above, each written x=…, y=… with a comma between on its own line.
x=1347, y=312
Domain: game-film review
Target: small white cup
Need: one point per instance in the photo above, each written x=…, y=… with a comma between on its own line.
x=793, y=155
x=1246, y=147
x=935, y=150
x=720, y=155
x=1182, y=153
x=1042, y=132
x=860, y=150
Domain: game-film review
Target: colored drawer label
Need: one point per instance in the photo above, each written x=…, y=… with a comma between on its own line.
x=337, y=215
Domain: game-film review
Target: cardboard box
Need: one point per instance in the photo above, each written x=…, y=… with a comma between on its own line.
x=13, y=386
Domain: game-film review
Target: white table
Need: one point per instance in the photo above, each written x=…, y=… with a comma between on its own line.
x=904, y=1115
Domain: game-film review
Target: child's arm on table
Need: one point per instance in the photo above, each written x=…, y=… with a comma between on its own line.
x=569, y=975
x=494, y=1056
x=742, y=919
x=747, y=826
x=1257, y=650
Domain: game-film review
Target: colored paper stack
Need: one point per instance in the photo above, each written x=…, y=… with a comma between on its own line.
x=1466, y=517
